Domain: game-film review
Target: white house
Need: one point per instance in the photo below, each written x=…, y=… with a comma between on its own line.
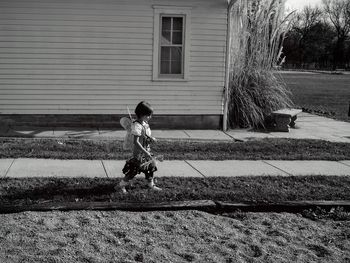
x=83, y=62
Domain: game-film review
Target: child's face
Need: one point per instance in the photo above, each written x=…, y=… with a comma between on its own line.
x=146, y=118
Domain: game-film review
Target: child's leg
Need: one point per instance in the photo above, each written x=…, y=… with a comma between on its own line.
x=149, y=174
x=131, y=169
x=123, y=184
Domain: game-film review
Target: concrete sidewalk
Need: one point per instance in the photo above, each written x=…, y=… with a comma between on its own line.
x=23, y=168
x=308, y=126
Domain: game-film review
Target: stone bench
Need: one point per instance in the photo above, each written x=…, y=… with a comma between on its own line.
x=285, y=118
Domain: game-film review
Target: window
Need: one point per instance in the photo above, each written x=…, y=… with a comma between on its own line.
x=171, y=46
x=171, y=43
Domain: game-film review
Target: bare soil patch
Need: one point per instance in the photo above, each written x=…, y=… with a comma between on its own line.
x=186, y=236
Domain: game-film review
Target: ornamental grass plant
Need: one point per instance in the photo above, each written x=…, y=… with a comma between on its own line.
x=257, y=34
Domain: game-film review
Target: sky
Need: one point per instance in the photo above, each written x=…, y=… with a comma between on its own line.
x=299, y=4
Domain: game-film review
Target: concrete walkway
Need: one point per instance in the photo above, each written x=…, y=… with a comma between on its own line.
x=308, y=126
x=24, y=168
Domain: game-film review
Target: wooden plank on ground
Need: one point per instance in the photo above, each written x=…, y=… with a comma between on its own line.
x=203, y=205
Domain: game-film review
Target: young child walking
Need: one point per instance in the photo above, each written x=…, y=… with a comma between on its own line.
x=141, y=132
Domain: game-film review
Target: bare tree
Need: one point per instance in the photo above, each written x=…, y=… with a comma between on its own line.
x=307, y=18
x=338, y=12
x=303, y=25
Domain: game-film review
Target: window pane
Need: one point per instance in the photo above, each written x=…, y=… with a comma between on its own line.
x=166, y=38
x=176, y=54
x=177, y=38
x=164, y=67
x=177, y=23
x=175, y=67
x=165, y=53
x=166, y=23
x=171, y=46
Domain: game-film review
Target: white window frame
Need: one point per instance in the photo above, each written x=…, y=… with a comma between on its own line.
x=184, y=12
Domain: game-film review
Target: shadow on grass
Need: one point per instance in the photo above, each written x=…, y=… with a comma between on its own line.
x=239, y=189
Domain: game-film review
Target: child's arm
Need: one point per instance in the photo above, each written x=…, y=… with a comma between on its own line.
x=138, y=145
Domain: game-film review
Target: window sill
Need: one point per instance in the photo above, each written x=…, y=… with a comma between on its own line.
x=170, y=79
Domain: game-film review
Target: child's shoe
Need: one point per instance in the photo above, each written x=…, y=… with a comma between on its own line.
x=152, y=186
x=122, y=186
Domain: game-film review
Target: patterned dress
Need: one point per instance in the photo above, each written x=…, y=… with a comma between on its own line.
x=133, y=166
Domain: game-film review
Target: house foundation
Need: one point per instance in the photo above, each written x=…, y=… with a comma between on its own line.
x=109, y=121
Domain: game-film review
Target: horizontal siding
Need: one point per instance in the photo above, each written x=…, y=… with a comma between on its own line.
x=24, y=73
x=80, y=46
x=110, y=77
x=70, y=60
x=11, y=93
x=137, y=86
x=20, y=66
x=77, y=29
x=87, y=110
x=104, y=101
x=97, y=83
x=72, y=40
x=71, y=34
x=89, y=57
x=110, y=106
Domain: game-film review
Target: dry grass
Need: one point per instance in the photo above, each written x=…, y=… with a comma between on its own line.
x=187, y=236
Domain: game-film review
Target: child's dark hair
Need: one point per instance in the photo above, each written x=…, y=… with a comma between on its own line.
x=143, y=109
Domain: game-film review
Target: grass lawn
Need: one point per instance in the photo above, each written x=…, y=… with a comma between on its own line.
x=267, y=149
x=183, y=236
x=259, y=189
x=321, y=92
